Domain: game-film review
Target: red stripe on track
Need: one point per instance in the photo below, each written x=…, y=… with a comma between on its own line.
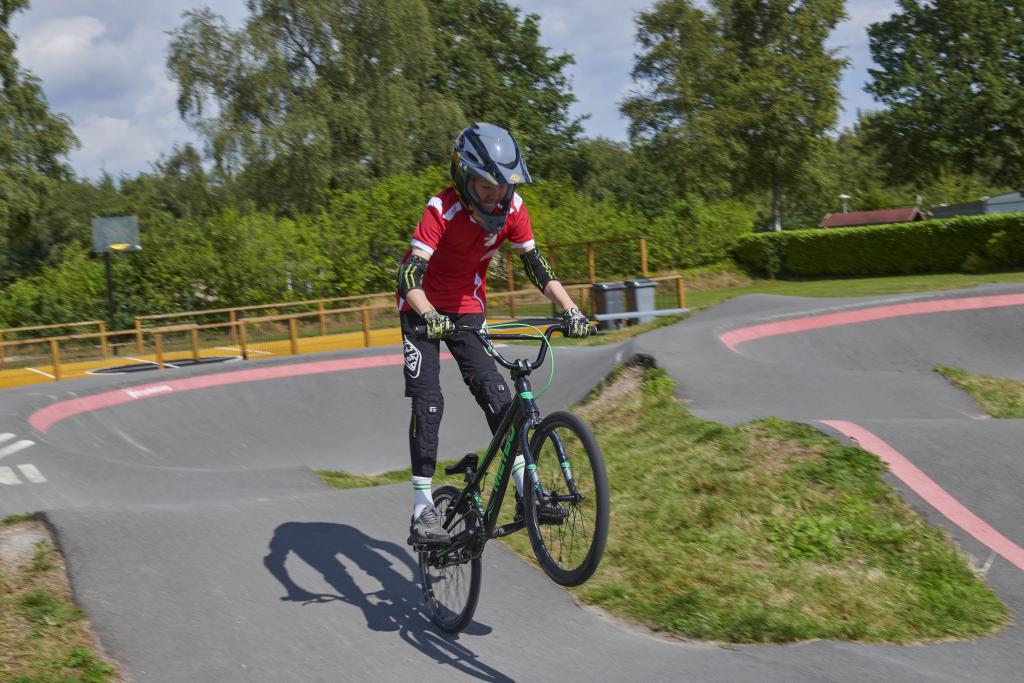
x=45, y=418
x=733, y=338
x=933, y=494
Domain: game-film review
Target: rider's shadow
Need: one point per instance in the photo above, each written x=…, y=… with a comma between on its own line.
x=325, y=547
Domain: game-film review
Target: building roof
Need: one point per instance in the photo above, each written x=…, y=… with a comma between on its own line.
x=963, y=209
x=846, y=220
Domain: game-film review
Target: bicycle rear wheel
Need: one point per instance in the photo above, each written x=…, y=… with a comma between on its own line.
x=569, y=527
x=450, y=588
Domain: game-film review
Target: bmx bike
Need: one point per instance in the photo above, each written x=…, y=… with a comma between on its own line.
x=564, y=506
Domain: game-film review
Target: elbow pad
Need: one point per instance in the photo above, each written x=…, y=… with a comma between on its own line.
x=410, y=275
x=537, y=269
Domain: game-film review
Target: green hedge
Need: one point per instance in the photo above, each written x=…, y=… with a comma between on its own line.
x=963, y=243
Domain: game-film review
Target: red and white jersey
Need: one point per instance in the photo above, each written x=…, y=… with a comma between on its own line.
x=460, y=251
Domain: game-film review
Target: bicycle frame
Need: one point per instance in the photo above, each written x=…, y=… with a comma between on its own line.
x=522, y=414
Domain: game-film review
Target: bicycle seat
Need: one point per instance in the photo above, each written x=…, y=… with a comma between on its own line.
x=469, y=460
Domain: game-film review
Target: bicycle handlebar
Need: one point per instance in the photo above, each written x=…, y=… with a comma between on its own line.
x=485, y=337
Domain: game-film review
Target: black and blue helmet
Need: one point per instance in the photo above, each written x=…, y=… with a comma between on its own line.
x=490, y=153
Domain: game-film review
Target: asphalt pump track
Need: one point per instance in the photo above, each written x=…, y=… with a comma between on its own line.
x=204, y=548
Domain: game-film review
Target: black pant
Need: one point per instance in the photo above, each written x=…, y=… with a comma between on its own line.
x=422, y=384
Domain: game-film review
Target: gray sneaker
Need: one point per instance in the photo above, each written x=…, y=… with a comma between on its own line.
x=426, y=529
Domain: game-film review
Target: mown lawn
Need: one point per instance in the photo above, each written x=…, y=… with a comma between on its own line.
x=850, y=287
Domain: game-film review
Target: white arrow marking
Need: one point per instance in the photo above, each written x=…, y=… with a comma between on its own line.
x=31, y=473
x=15, y=447
x=6, y=436
x=8, y=477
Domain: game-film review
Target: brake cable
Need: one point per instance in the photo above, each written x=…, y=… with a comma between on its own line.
x=539, y=335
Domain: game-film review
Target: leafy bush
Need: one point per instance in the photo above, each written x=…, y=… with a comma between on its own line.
x=351, y=245
x=972, y=243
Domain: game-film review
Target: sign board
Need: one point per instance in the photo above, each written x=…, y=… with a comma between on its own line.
x=115, y=233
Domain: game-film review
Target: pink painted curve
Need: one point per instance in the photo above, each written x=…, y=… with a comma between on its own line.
x=734, y=338
x=44, y=418
x=931, y=492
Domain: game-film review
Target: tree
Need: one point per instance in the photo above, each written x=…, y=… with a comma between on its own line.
x=737, y=98
x=33, y=144
x=179, y=185
x=492, y=63
x=951, y=74
x=312, y=96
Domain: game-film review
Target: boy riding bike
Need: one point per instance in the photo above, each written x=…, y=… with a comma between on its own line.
x=441, y=284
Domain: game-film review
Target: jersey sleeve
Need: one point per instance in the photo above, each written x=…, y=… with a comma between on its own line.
x=520, y=234
x=430, y=229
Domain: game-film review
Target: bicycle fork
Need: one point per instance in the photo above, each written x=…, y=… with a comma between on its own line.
x=532, y=479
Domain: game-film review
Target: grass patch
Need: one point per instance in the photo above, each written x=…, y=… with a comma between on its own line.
x=621, y=334
x=11, y=520
x=344, y=480
x=764, y=532
x=1001, y=398
x=44, y=636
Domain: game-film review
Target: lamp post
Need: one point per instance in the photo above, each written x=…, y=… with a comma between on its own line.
x=120, y=246
x=844, y=198
x=114, y=233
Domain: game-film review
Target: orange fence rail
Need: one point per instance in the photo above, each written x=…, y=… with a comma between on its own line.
x=322, y=327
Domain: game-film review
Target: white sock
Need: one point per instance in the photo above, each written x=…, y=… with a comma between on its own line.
x=421, y=488
x=517, y=473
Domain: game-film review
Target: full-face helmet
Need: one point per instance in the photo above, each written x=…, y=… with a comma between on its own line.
x=490, y=153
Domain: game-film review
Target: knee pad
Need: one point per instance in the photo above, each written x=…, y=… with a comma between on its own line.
x=427, y=410
x=492, y=393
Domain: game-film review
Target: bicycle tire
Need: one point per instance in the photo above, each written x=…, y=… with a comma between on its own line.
x=449, y=595
x=569, y=551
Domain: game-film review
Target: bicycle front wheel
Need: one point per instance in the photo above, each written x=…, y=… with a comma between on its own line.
x=568, y=523
x=451, y=586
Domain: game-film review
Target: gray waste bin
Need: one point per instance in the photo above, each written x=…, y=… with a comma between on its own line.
x=609, y=297
x=640, y=297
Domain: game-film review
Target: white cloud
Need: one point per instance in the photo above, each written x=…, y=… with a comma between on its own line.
x=101, y=62
x=600, y=36
x=83, y=64
x=852, y=38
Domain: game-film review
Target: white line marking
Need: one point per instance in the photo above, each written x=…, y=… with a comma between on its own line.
x=44, y=374
x=139, y=360
x=6, y=436
x=31, y=473
x=15, y=447
x=232, y=348
x=8, y=477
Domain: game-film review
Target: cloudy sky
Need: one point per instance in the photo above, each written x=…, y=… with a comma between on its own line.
x=102, y=64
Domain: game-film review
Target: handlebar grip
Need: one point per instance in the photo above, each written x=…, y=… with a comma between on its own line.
x=421, y=330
